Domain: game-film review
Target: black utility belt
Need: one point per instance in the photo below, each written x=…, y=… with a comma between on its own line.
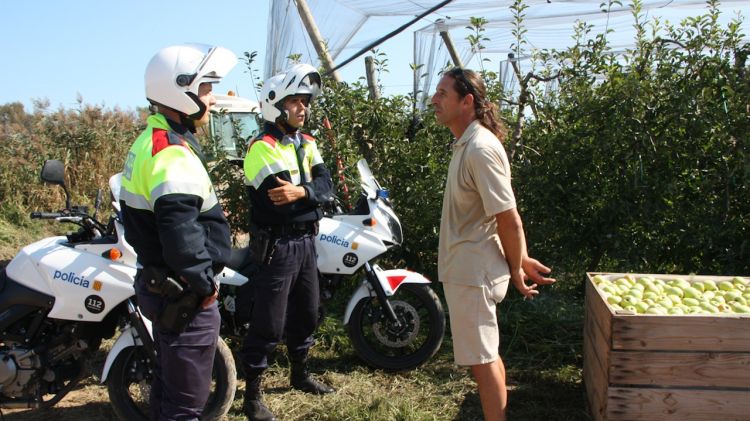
x=296, y=228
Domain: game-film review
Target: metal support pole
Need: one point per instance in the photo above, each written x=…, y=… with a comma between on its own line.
x=449, y=44
x=372, y=83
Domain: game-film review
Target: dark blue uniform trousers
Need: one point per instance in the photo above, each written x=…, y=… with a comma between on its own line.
x=183, y=368
x=286, y=296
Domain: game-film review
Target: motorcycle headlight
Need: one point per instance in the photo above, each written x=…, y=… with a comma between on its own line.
x=395, y=227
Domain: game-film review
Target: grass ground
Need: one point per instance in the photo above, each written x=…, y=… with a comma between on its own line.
x=541, y=346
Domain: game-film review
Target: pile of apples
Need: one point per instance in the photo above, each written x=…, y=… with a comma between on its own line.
x=648, y=295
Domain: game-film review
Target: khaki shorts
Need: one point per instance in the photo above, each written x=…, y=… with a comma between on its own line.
x=473, y=319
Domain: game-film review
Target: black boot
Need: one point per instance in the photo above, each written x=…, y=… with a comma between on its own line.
x=301, y=380
x=253, y=407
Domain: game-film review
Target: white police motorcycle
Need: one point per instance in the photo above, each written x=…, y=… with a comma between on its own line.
x=394, y=320
x=61, y=296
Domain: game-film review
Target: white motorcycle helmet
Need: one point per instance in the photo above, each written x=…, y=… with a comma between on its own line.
x=300, y=79
x=174, y=74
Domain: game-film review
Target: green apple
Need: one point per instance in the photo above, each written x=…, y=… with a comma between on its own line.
x=740, y=308
x=631, y=308
x=726, y=285
x=691, y=292
x=657, y=310
x=655, y=288
x=630, y=299
x=622, y=283
x=679, y=283
x=650, y=295
x=610, y=289
x=717, y=300
x=635, y=292
x=675, y=291
x=692, y=302
x=740, y=284
x=614, y=299
x=710, y=285
x=741, y=281
x=666, y=303
x=676, y=311
x=675, y=299
x=709, y=295
x=638, y=286
x=598, y=279
x=645, y=280
x=699, y=285
x=709, y=307
x=641, y=307
x=623, y=288
x=724, y=308
x=696, y=310
x=732, y=295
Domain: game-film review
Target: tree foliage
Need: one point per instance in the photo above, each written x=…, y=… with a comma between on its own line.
x=641, y=162
x=638, y=162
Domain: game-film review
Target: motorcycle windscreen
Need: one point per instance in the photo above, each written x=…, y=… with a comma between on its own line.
x=367, y=179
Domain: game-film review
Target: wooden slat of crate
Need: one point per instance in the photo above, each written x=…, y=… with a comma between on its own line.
x=643, y=404
x=702, y=369
x=596, y=345
x=667, y=333
x=686, y=333
x=599, y=312
x=594, y=370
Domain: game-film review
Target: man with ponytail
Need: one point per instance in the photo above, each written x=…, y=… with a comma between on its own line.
x=482, y=243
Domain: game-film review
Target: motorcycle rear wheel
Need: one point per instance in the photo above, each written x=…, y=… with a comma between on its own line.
x=129, y=384
x=383, y=345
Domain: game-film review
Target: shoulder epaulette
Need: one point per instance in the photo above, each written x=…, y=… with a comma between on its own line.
x=265, y=137
x=161, y=138
x=308, y=138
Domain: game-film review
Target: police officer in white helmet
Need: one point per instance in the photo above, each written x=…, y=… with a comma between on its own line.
x=287, y=182
x=177, y=227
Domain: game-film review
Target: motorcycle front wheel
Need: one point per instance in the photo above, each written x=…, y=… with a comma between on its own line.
x=416, y=338
x=129, y=384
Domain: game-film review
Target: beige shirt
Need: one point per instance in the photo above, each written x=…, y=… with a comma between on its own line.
x=478, y=188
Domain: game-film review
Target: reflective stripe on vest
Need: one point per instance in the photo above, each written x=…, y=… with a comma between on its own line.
x=151, y=173
x=267, y=156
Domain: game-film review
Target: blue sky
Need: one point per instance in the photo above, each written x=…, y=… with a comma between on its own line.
x=58, y=49
x=98, y=49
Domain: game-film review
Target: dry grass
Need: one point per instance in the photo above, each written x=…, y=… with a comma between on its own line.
x=543, y=369
x=541, y=346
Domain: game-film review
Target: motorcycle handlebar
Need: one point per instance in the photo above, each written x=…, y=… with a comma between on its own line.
x=45, y=215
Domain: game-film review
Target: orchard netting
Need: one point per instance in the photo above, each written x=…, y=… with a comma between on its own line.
x=349, y=25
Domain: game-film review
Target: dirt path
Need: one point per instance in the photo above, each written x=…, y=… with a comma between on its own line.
x=89, y=402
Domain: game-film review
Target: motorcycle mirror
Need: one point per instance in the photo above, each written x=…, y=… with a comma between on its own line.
x=53, y=172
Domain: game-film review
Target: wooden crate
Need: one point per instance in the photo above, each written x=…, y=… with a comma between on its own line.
x=639, y=367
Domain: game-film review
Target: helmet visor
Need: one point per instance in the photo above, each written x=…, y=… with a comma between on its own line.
x=215, y=65
x=310, y=85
